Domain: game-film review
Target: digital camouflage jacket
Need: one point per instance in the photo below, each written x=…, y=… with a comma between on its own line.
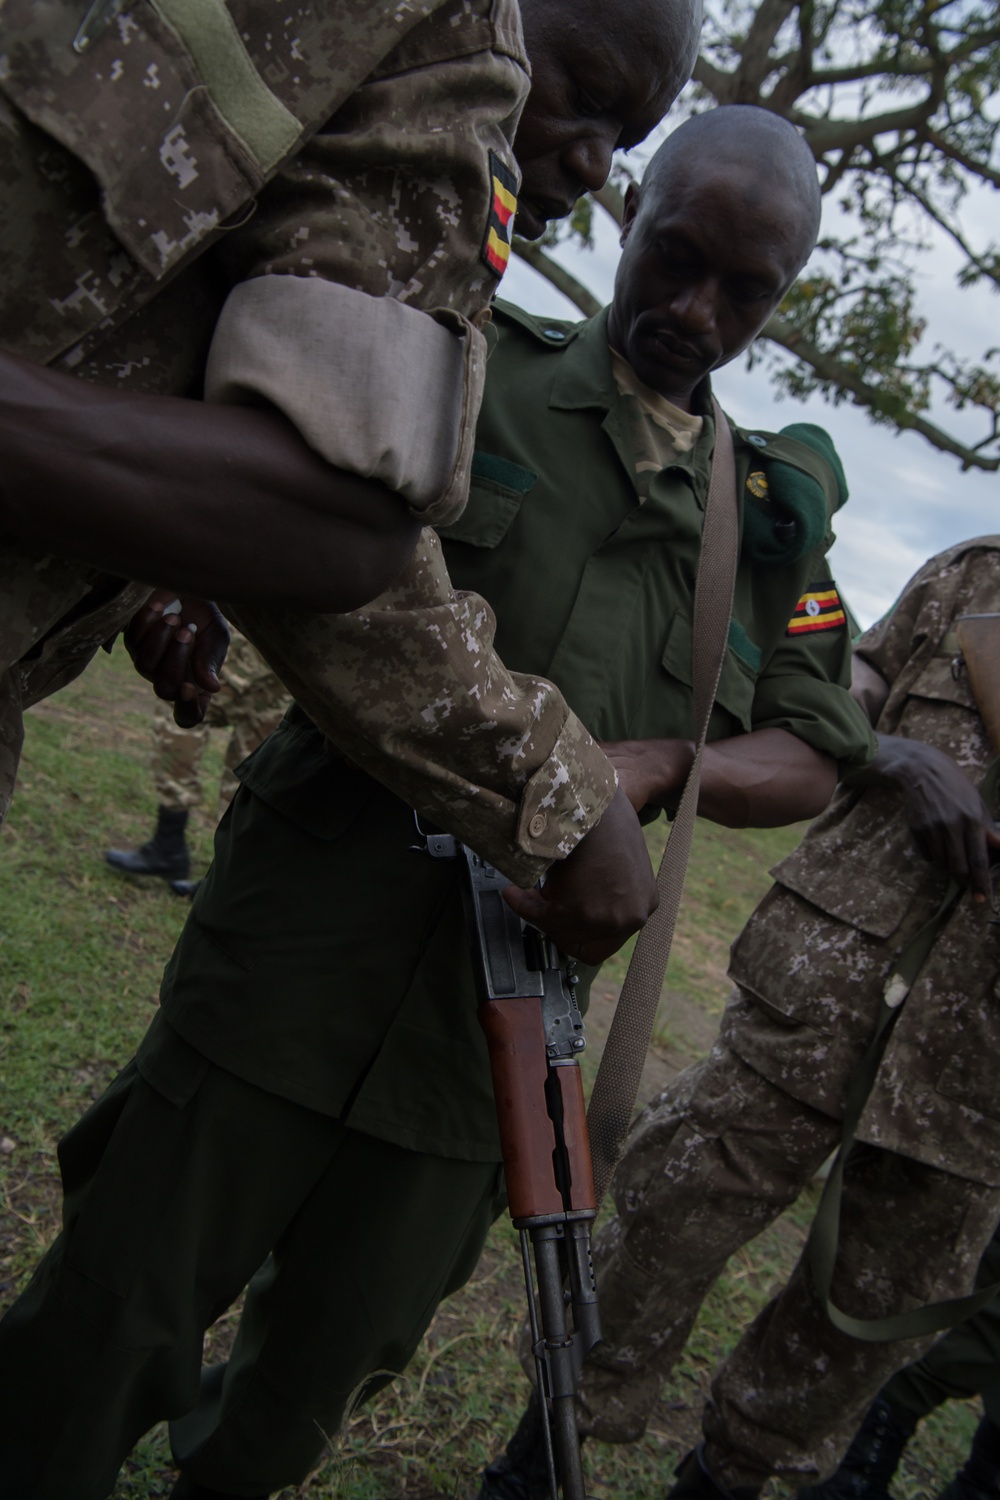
x=819, y=949
x=186, y=185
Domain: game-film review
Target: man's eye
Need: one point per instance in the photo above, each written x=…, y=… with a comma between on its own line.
x=752, y=292
x=676, y=258
x=588, y=104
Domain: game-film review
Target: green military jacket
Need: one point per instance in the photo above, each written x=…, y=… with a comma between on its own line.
x=591, y=571
x=325, y=958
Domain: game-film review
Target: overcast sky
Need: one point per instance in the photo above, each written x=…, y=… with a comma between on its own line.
x=908, y=500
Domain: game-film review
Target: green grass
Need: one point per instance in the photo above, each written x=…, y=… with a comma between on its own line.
x=81, y=951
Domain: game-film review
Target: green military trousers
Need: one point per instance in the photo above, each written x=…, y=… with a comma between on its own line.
x=177, y=1196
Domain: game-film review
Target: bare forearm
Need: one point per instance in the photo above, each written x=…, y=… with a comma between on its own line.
x=764, y=780
x=224, y=501
x=759, y=780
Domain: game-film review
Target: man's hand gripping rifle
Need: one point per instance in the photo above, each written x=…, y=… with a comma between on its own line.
x=534, y=1030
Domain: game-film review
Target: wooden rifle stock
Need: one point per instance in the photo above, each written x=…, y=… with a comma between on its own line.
x=534, y=1033
x=979, y=643
x=541, y=1114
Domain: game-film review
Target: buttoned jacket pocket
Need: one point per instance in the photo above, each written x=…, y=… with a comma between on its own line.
x=942, y=680
x=496, y=494
x=737, y=682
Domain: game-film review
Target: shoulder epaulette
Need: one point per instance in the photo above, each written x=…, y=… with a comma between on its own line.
x=553, y=333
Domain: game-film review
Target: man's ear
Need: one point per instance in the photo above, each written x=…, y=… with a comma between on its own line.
x=631, y=209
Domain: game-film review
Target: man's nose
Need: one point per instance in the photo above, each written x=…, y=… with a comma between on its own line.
x=588, y=160
x=696, y=306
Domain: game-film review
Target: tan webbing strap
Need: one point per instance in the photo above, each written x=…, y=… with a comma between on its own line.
x=268, y=130
x=617, y=1081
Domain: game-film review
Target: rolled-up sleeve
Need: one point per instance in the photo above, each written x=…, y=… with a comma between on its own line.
x=361, y=280
x=375, y=386
x=357, y=288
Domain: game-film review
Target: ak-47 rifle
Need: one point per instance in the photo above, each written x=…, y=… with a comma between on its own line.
x=979, y=643
x=534, y=1030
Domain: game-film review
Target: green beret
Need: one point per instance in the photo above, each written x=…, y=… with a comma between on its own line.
x=784, y=514
x=822, y=443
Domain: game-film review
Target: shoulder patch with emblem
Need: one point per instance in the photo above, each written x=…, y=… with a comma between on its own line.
x=500, y=224
x=818, y=609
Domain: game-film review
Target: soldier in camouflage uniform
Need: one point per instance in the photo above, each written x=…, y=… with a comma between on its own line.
x=201, y=195
x=734, y=1139
x=250, y=703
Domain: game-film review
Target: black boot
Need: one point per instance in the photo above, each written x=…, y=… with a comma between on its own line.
x=521, y=1473
x=190, y=1489
x=871, y=1460
x=166, y=853
x=979, y=1479
x=694, y=1482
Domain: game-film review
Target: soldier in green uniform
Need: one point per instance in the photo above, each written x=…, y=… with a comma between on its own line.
x=314, y=1094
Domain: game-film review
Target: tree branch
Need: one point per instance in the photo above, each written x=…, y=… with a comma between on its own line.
x=711, y=78
x=886, y=67
x=612, y=200
x=836, y=135
x=831, y=369
x=978, y=168
x=560, y=278
x=755, y=54
x=952, y=230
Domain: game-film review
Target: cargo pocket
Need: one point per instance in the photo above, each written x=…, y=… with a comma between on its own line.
x=295, y=773
x=970, y=1076
x=136, y=1172
x=938, y=684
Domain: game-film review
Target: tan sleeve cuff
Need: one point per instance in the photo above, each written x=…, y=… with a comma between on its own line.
x=566, y=796
x=410, y=688
x=377, y=387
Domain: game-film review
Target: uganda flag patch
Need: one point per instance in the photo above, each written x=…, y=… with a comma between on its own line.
x=500, y=225
x=818, y=609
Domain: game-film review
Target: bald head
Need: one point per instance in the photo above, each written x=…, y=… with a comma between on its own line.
x=723, y=221
x=771, y=159
x=603, y=75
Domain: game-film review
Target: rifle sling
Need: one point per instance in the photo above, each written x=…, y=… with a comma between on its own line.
x=824, y=1236
x=618, y=1076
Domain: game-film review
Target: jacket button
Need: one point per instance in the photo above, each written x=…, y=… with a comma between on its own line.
x=557, y=335
x=537, y=826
